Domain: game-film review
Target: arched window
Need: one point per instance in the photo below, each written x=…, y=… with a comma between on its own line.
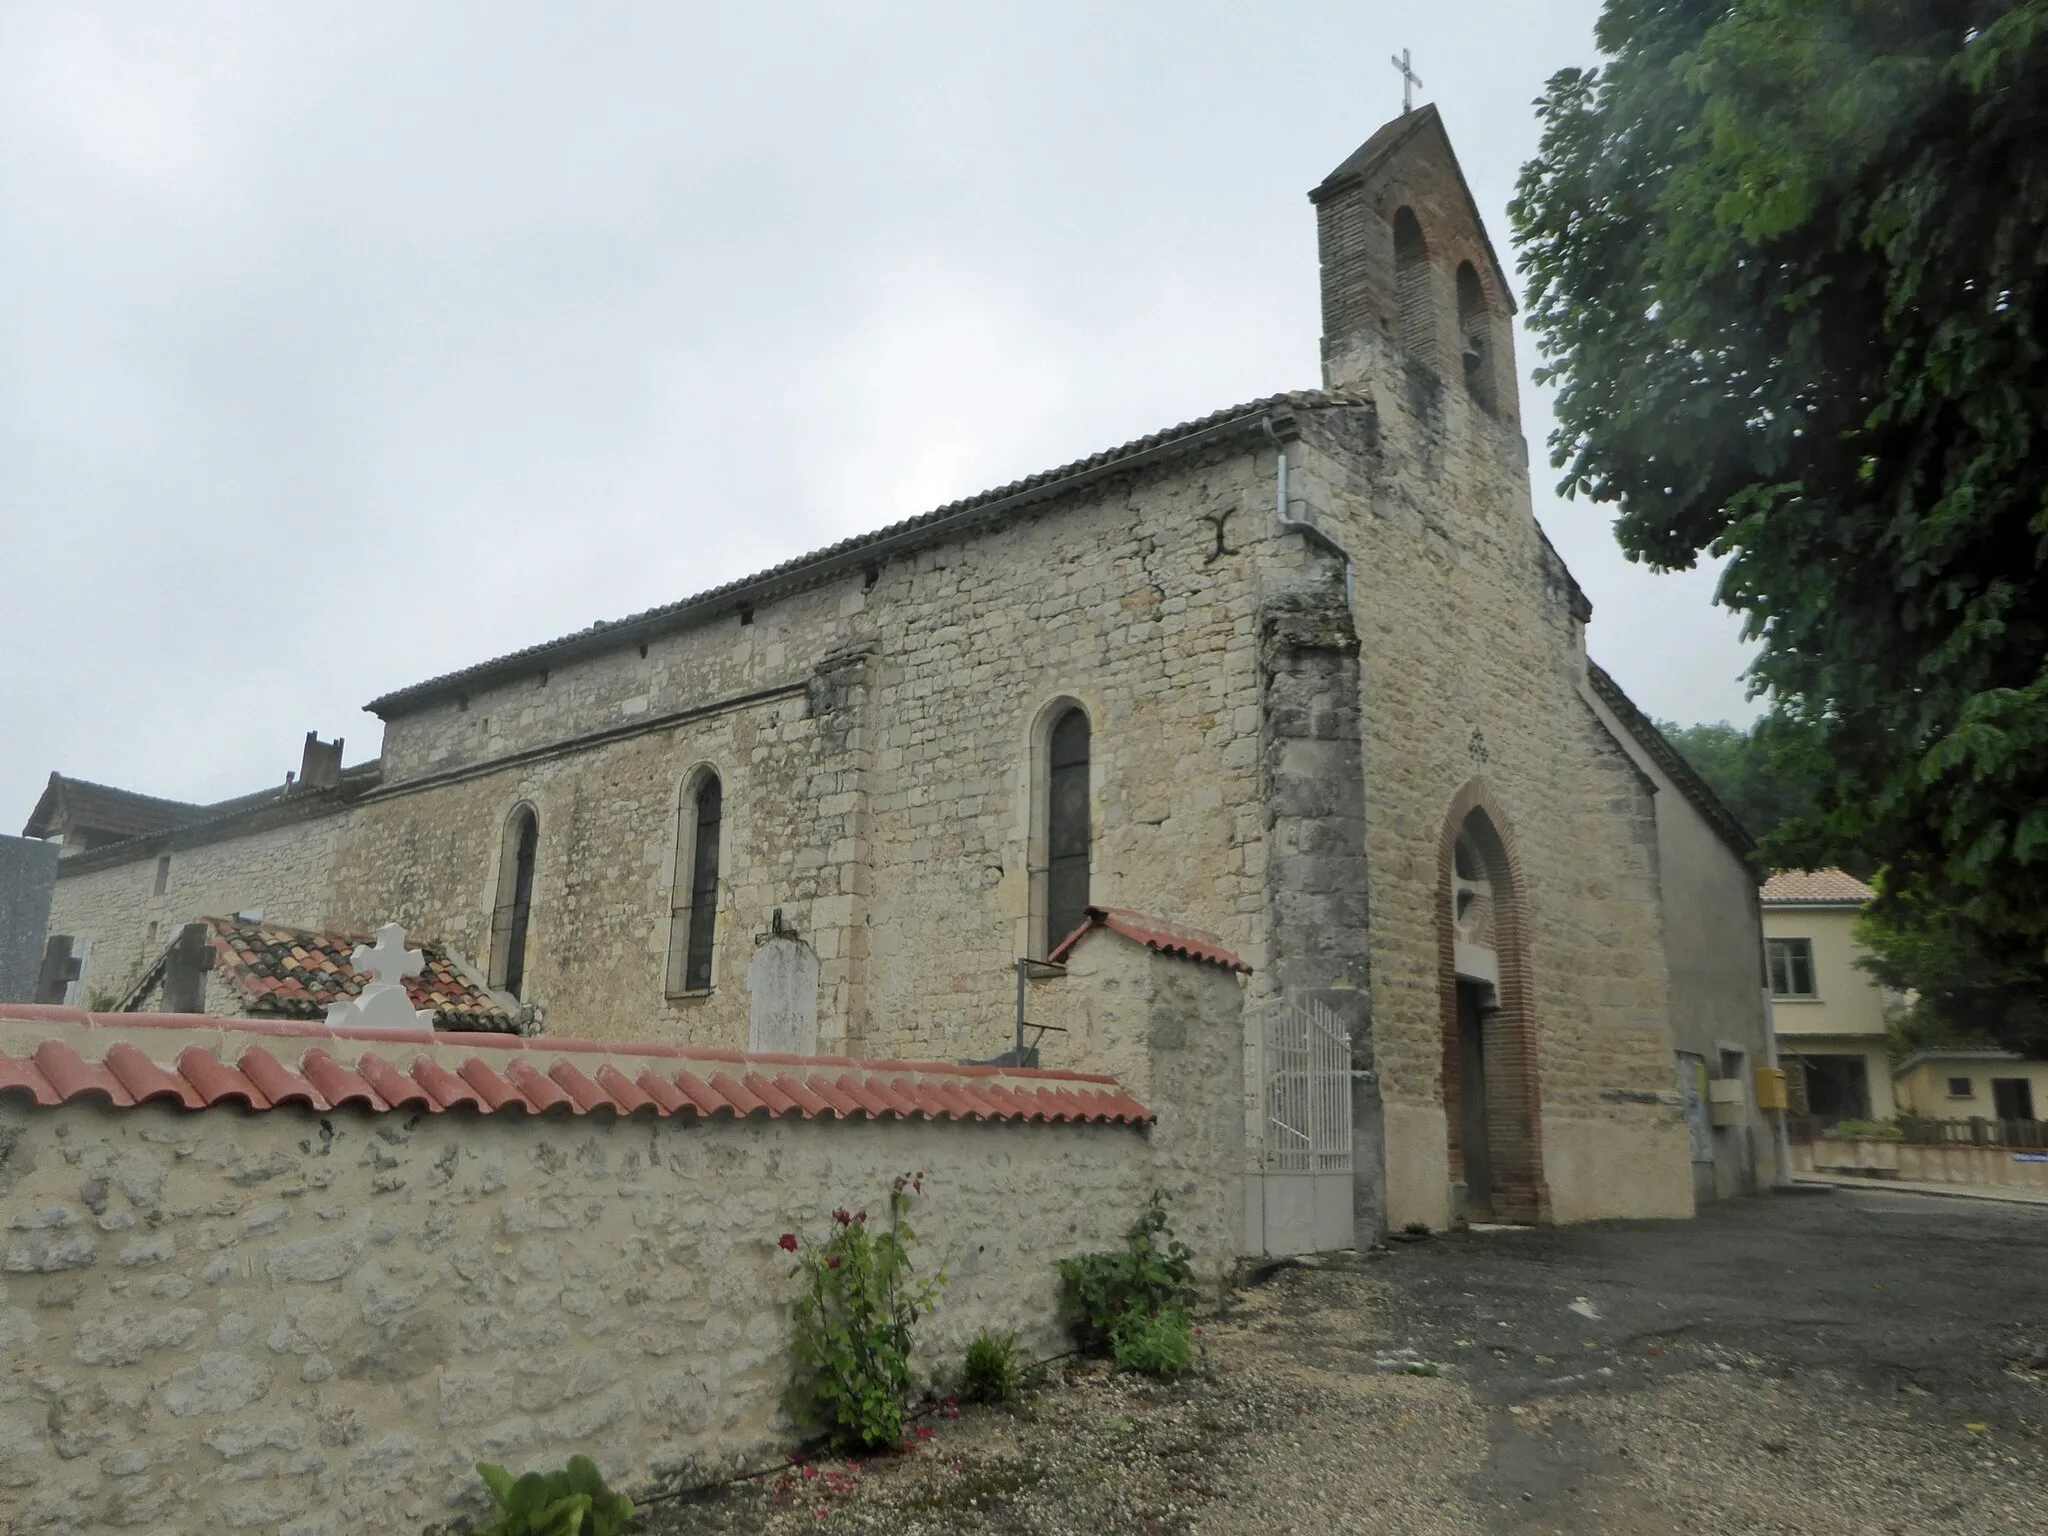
x=693, y=907
x=513, y=914
x=1412, y=289
x=1475, y=335
x=1067, y=833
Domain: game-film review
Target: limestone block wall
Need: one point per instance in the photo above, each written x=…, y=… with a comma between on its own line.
x=284, y=872
x=1472, y=662
x=312, y=1322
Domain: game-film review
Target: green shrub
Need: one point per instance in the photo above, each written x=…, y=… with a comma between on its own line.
x=1868, y=1130
x=853, y=1322
x=991, y=1373
x=572, y=1502
x=1158, y=1343
x=1152, y=1273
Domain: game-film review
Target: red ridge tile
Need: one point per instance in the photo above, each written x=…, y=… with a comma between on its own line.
x=491, y=1088
x=738, y=1099
x=69, y=1073
x=668, y=1098
x=836, y=1098
x=446, y=1089
x=217, y=1081
x=340, y=1085
x=900, y=1098
x=145, y=1080
x=542, y=1092
x=767, y=1092
x=393, y=1086
x=277, y=1083
x=588, y=1095
x=19, y=1072
x=798, y=1087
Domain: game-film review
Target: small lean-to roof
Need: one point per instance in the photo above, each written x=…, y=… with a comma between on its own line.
x=987, y=508
x=57, y=1056
x=1815, y=888
x=1155, y=933
x=1955, y=1053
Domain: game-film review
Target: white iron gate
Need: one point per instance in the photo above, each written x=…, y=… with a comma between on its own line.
x=1301, y=1202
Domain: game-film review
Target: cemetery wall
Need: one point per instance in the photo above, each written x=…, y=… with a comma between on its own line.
x=314, y=1322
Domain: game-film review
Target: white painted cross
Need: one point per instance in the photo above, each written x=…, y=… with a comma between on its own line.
x=1409, y=80
x=384, y=1003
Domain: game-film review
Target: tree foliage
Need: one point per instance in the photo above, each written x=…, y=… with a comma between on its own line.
x=1788, y=262
x=1763, y=788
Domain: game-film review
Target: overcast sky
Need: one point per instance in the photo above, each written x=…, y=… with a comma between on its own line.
x=342, y=345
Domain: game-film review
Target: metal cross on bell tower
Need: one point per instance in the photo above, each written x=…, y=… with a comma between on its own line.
x=1409, y=80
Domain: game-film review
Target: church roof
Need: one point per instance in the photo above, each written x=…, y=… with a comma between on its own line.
x=1389, y=140
x=1667, y=757
x=292, y=973
x=1815, y=888
x=992, y=506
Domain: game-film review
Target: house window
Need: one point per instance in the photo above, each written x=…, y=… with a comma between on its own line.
x=693, y=908
x=163, y=875
x=1961, y=1088
x=513, y=915
x=2012, y=1098
x=1068, y=836
x=1791, y=963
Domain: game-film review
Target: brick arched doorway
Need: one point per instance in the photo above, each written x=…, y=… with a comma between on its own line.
x=1491, y=1092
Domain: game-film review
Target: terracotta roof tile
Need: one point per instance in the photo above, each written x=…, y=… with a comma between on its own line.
x=1815, y=887
x=1155, y=933
x=55, y=1055
x=296, y=974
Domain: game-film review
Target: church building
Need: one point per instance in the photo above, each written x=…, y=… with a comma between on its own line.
x=1302, y=676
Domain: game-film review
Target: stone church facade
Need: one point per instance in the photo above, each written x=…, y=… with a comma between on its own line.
x=1304, y=674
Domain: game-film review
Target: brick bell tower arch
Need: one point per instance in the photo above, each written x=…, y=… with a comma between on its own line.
x=1491, y=1090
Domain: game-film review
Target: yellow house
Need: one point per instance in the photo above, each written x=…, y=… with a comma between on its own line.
x=1970, y=1085
x=1828, y=1014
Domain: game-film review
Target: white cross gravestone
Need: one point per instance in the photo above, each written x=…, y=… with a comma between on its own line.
x=384, y=1003
x=782, y=1004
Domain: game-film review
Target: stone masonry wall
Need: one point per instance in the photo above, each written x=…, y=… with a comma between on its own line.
x=1472, y=660
x=313, y=1324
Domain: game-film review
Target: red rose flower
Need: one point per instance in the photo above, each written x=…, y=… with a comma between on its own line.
x=786, y=1242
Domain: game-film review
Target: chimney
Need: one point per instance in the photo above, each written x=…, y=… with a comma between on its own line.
x=320, y=766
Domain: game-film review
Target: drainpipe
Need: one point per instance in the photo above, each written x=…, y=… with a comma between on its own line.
x=1309, y=531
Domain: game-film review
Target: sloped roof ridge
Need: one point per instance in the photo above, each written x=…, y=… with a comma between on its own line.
x=605, y=634
x=1809, y=887
x=63, y=788
x=1695, y=789
x=1155, y=933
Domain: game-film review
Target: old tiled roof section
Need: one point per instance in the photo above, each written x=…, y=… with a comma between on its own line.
x=59, y=1055
x=1815, y=887
x=851, y=554
x=296, y=974
x=1154, y=933
x=1690, y=784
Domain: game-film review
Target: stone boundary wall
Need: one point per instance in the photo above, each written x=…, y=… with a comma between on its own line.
x=309, y=1322
x=2008, y=1168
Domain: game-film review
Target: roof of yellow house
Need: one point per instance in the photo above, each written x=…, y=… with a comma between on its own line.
x=1815, y=887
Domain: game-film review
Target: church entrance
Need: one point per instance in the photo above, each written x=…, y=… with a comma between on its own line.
x=1492, y=1104
x=1474, y=1000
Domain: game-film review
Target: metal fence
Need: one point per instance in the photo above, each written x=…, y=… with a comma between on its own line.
x=1922, y=1131
x=1307, y=1074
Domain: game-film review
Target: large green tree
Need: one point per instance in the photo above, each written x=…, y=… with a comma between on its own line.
x=1788, y=262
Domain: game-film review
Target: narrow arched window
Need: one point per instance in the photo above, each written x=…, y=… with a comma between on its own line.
x=513, y=915
x=1412, y=288
x=693, y=911
x=1475, y=335
x=1067, y=833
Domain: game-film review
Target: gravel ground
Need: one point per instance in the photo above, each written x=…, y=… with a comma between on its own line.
x=1848, y=1363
